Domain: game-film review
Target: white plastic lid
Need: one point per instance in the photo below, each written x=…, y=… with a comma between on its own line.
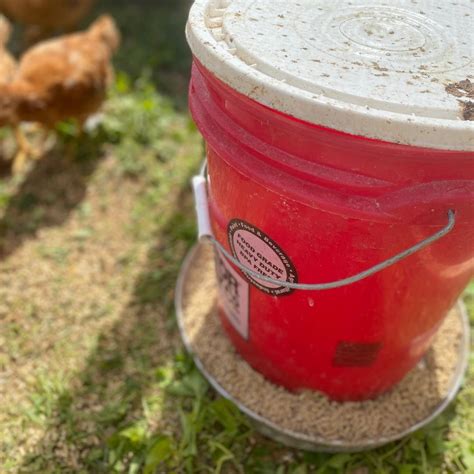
x=400, y=70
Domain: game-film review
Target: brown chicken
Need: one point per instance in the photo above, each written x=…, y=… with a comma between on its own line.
x=60, y=79
x=44, y=17
x=8, y=66
x=8, y=63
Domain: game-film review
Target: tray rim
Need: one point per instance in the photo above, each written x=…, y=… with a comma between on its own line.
x=301, y=440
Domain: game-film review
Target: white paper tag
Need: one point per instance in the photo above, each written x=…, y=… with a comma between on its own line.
x=234, y=295
x=202, y=206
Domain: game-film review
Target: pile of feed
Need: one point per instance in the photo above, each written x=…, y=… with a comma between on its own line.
x=310, y=413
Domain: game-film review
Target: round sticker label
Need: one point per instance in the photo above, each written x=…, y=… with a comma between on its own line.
x=258, y=252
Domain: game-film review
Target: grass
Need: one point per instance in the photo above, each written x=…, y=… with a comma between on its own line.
x=93, y=377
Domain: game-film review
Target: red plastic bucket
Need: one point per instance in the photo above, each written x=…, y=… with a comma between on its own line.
x=304, y=203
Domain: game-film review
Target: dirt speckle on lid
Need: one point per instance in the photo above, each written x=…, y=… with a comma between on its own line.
x=377, y=67
x=467, y=109
x=464, y=90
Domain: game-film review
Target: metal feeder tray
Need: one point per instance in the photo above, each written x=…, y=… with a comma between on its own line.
x=300, y=440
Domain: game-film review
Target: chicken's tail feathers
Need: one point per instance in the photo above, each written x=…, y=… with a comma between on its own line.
x=106, y=29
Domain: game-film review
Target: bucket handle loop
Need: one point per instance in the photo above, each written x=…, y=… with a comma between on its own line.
x=206, y=235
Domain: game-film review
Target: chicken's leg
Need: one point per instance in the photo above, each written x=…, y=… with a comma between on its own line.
x=25, y=151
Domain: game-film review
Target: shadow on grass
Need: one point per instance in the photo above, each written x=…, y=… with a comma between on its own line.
x=109, y=393
x=51, y=190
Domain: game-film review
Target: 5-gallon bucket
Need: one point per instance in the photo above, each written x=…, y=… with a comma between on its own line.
x=339, y=186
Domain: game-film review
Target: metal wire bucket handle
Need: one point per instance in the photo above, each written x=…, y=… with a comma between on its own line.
x=205, y=234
